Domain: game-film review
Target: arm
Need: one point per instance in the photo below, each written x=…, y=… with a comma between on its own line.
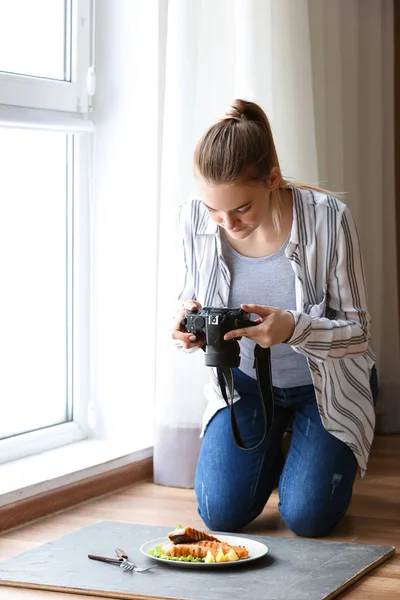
x=184, y=279
x=347, y=335
x=186, y=295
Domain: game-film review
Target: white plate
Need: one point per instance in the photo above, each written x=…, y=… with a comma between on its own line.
x=256, y=550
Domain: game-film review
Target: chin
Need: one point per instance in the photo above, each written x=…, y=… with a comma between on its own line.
x=241, y=234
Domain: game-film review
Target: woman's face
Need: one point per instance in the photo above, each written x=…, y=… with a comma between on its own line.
x=238, y=208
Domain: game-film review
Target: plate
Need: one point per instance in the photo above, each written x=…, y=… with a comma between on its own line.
x=256, y=551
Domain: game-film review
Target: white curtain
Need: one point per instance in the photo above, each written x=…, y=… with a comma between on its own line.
x=322, y=71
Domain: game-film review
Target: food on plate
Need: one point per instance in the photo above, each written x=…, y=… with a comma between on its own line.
x=200, y=549
x=220, y=556
x=187, y=535
x=232, y=555
x=190, y=545
x=209, y=558
x=157, y=552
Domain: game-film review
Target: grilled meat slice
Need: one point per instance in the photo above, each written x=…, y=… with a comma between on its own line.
x=214, y=547
x=200, y=549
x=188, y=535
x=185, y=550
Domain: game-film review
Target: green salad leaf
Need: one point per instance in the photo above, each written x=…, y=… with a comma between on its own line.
x=158, y=553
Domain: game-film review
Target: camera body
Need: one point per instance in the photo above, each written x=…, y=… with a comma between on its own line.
x=214, y=323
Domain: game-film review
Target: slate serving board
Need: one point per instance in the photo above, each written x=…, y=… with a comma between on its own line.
x=293, y=569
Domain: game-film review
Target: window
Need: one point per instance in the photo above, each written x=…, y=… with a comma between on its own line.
x=51, y=57
x=44, y=53
x=44, y=232
x=36, y=243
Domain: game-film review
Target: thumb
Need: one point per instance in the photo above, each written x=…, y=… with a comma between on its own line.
x=261, y=311
x=192, y=305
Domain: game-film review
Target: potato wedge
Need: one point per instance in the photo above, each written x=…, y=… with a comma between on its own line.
x=221, y=557
x=209, y=558
x=231, y=555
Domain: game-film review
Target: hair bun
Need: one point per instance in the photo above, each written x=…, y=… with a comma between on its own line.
x=235, y=111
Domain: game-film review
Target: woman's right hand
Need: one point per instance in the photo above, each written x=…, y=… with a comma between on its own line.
x=188, y=340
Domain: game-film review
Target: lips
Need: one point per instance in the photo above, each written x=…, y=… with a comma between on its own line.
x=234, y=230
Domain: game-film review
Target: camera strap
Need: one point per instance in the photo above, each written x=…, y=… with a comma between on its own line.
x=262, y=364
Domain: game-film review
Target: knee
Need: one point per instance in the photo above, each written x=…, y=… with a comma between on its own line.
x=222, y=522
x=220, y=516
x=306, y=523
x=221, y=513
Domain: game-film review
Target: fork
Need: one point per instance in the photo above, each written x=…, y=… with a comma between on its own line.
x=127, y=565
x=121, y=560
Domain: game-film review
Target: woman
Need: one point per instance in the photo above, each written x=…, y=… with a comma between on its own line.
x=289, y=255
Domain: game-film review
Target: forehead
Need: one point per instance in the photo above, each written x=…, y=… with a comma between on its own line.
x=228, y=197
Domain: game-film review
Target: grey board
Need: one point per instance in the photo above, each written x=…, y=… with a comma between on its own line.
x=293, y=569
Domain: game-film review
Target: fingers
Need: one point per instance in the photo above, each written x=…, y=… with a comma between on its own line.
x=250, y=332
x=258, y=309
x=242, y=332
x=188, y=340
x=191, y=305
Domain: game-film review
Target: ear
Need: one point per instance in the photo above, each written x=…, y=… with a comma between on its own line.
x=275, y=178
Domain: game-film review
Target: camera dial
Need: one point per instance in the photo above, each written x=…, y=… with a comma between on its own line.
x=199, y=322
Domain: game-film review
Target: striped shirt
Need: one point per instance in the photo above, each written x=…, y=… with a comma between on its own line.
x=332, y=323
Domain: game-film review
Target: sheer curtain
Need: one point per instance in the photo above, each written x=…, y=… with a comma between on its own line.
x=354, y=123
x=322, y=70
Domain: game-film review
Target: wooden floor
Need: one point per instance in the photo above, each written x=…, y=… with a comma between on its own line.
x=374, y=517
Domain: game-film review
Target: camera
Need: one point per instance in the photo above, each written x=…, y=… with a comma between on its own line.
x=214, y=323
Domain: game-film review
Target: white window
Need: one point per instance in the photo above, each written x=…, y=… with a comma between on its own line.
x=44, y=53
x=44, y=226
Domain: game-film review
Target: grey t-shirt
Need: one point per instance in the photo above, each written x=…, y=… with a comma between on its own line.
x=269, y=281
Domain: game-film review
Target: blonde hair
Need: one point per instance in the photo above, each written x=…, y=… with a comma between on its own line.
x=240, y=147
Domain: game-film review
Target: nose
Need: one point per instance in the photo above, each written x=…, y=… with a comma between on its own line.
x=229, y=222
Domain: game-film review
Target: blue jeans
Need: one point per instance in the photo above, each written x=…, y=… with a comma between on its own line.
x=315, y=482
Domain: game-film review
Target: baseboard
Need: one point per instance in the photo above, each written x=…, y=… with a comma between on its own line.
x=35, y=507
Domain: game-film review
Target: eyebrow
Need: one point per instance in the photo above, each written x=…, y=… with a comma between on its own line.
x=232, y=209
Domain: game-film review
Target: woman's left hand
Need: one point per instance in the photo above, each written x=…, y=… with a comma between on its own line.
x=274, y=326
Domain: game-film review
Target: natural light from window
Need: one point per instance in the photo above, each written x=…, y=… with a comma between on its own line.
x=35, y=268
x=35, y=38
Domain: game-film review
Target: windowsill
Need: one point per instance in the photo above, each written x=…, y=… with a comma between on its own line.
x=26, y=477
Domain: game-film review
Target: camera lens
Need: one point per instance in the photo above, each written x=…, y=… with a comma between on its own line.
x=226, y=356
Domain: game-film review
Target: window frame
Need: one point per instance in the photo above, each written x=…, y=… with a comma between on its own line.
x=50, y=94
x=79, y=368
x=28, y=102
